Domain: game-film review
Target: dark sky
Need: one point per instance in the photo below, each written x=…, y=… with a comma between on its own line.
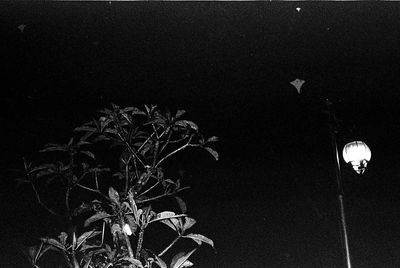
x=270, y=200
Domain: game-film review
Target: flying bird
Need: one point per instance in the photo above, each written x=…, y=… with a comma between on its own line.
x=297, y=83
x=22, y=27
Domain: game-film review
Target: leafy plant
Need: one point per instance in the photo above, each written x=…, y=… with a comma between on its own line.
x=118, y=210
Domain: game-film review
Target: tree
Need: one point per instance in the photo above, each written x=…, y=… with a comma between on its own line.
x=118, y=160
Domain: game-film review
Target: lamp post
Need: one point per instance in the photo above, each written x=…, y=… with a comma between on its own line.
x=358, y=154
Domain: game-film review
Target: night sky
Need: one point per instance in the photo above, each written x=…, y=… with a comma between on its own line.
x=270, y=200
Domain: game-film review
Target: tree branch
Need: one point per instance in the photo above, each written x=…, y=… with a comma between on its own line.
x=155, y=155
x=92, y=190
x=40, y=201
x=133, y=152
x=161, y=196
x=146, y=141
x=127, y=175
x=96, y=180
x=155, y=131
x=148, y=190
x=127, y=241
x=140, y=243
x=67, y=201
x=175, y=151
x=166, y=142
x=169, y=246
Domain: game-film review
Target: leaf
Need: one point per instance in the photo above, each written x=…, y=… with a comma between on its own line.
x=187, y=123
x=169, y=181
x=187, y=263
x=70, y=142
x=139, y=213
x=83, y=208
x=87, y=135
x=44, y=249
x=114, y=196
x=115, y=229
x=189, y=222
x=85, y=128
x=90, y=154
x=128, y=119
x=88, y=262
x=174, y=224
x=96, y=217
x=104, y=122
x=134, y=208
x=166, y=215
x=181, y=203
x=20, y=181
x=147, y=215
x=31, y=252
x=163, y=215
x=159, y=116
x=192, y=125
x=85, y=236
x=44, y=173
x=58, y=148
x=212, y=139
x=54, y=243
x=146, y=148
x=211, y=151
x=179, y=113
x=147, y=108
x=199, y=239
x=36, y=252
x=115, y=107
x=74, y=240
x=63, y=238
x=85, y=166
x=40, y=168
x=82, y=143
x=118, y=175
x=105, y=111
x=128, y=109
x=179, y=259
x=87, y=246
x=160, y=262
x=111, y=131
x=176, y=257
x=132, y=223
x=136, y=111
x=133, y=261
x=101, y=138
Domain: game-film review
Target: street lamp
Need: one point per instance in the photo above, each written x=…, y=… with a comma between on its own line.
x=358, y=154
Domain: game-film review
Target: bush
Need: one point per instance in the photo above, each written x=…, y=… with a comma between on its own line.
x=118, y=161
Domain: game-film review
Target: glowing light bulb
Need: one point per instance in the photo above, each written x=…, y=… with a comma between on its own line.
x=127, y=229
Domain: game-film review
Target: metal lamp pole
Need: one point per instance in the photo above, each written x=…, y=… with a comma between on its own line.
x=343, y=225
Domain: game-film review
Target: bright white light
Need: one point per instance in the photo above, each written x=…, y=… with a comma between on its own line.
x=127, y=229
x=358, y=154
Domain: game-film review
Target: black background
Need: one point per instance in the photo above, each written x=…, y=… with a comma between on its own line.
x=270, y=199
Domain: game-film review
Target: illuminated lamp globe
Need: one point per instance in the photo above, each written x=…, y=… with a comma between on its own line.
x=358, y=154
